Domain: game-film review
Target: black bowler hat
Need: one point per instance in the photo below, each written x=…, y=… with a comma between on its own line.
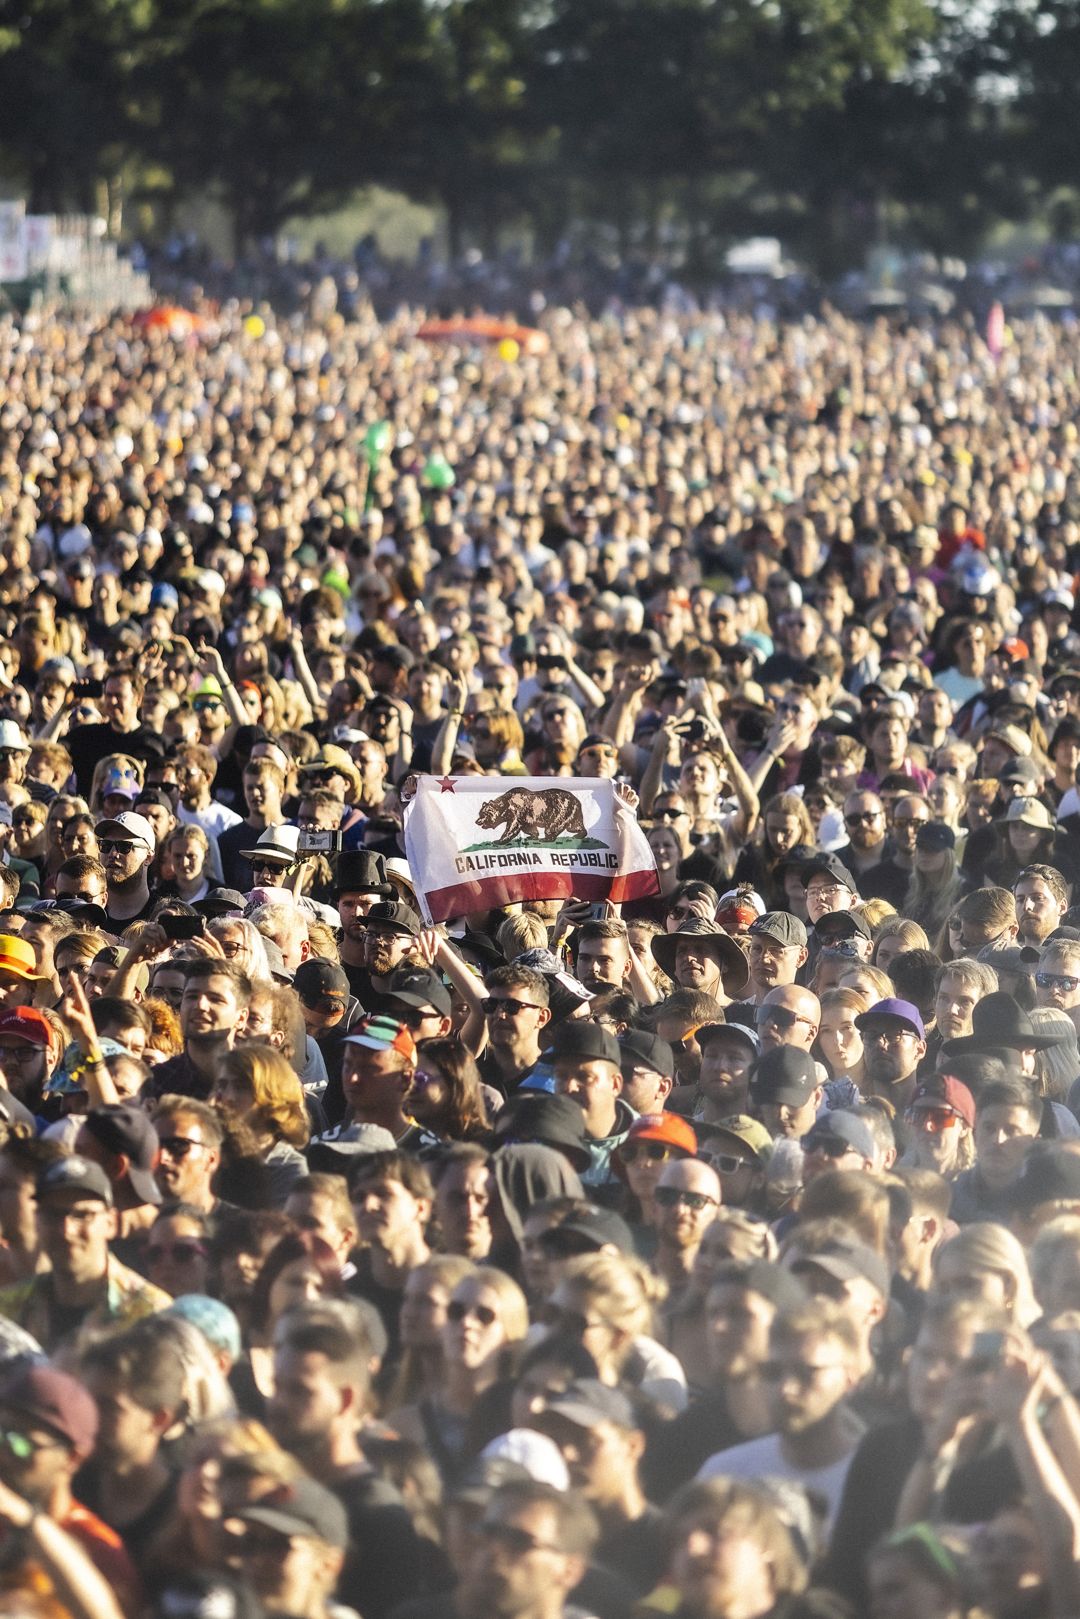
x=998, y=1021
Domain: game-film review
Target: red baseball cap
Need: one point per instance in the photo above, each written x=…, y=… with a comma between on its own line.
x=27, y=1023
x=670, y=1128
x=944, y=1091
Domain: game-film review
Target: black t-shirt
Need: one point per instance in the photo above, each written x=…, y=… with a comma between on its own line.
x=235, y=870
x=117, y=924
x=87, y=744
x=385, y=1562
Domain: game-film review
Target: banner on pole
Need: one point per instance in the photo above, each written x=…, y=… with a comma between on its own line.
x=476, y=842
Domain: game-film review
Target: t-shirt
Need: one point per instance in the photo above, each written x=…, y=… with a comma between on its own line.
x=384, y=1564
x=764, y=1459
x=89, y=743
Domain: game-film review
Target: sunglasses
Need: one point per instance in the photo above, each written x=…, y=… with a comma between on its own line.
x=828, y=1146
x=727, y=1164
x=205, y=706
x=178, y=1253
x=178, y=1147
x=670, y=814
x=456, y=1311
x=512, y=1539
x=22, y=1447
x=864, y=819
x=1063, y=981
x=779, y=1017
x=672, y=1197
x=932, y=1119
x=108, y=845
x=492, y=1005
x=841, y=947
x=657, y=1152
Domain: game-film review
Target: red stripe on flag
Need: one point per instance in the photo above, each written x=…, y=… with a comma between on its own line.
x=487, y=893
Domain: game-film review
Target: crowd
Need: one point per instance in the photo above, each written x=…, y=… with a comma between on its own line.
x=716, y=1255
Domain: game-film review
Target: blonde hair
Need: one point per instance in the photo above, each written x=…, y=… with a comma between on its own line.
x=876, y=913
x=276, y=1092
x=513, y=1308
x=520, y=933
x=748, y=1511
x=620, y=1287
x=112, y=761
x=990, y=1247
x=883, y=984
x=910, y=934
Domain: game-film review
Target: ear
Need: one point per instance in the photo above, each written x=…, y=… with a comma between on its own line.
x=616, y=1082
x=804, y=955
x=667, y=1085
x=543, y=1016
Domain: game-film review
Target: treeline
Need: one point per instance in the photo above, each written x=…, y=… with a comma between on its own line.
x=823, y=120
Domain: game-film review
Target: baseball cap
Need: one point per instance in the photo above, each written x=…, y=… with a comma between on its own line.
x=12, y=739
x=301, y=1507
x=670, y=1128
x=580, y=1038
x=586, y=1401
x=588, y=1230
x=784, y=1076
x=75, y=1174
x=382, y=1034
x=546, y=1119
x=341, y=1153
x=123, y=1128
x=1030, y=812
x=842, y=925
x=1025, y=770
x=318, y=980
x=1016, y=740
x=17, y=957
x=27, y=1023
x=129, y=826
x=221, y=902
x=751, y=1132
x=719, y=1031
x=781, y=926
x=942, y=1090
x=840, y=1125
x=55, y=1400
x=846, y=1262
x=934, y=837
x=418, y=989
x=395, y=914
x=892, y=1010
x=124, y=782
x=640, y=1049
x=827, y=865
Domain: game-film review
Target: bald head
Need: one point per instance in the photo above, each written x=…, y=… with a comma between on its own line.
x=789, y=1016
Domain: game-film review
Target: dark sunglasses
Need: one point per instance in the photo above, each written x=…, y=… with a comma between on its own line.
x=456, y=1311
x=107, y=845
x=670, y=1197
x=657, y=1152
x=491, y=1005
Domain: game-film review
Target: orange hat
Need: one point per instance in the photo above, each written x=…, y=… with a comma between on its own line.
x=670, y=1128
x=18, y=958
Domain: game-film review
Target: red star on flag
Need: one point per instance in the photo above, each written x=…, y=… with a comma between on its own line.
x=446, y=785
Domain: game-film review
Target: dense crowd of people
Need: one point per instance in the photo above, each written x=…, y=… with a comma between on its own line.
x=714, y=1255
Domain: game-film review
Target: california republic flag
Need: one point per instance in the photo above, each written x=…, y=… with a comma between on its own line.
x=474, y=842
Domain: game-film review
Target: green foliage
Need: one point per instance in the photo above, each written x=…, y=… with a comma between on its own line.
x=812, y=118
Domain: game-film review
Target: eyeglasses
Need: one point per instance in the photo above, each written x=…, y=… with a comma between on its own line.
x=657, y=1152
x=108, y=845
x=1062, y=981
x=492, y=1005
x=780, y=1018
x=911, y=820
x=825, y=891
x=177, y=1253
x=232, y=947
x=512, y=1539
x=890, y=1037
x=178, y=1147
x=457, y=1311
x=23, y=1053
x=671, y=1197
x=22, y=1446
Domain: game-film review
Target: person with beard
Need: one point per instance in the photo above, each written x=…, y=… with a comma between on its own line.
x=321, y=1398
x=127, y=846
x=894, y=1043
x=391, y=929
x=213, y=1015
x=360, y=884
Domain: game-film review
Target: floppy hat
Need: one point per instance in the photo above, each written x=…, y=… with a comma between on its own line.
x=18, y=958
x=733, y=965
x=996, y=1021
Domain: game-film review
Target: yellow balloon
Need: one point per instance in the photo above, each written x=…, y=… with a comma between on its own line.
x=509, y=349
x=254, y=325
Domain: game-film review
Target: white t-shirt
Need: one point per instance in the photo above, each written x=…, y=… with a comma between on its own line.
x=763, y=1459
x=214, y=819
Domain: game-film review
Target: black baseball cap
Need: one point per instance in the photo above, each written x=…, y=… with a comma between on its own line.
x=640, y=1049
x=318, y=979
x=827, y=865
x=124, y=1129
x=397, y=915
x=581, y=1038
x=417, y=989
x=842, y=925
x=784, y=1076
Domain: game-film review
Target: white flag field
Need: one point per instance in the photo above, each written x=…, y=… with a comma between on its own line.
x=476, y=842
